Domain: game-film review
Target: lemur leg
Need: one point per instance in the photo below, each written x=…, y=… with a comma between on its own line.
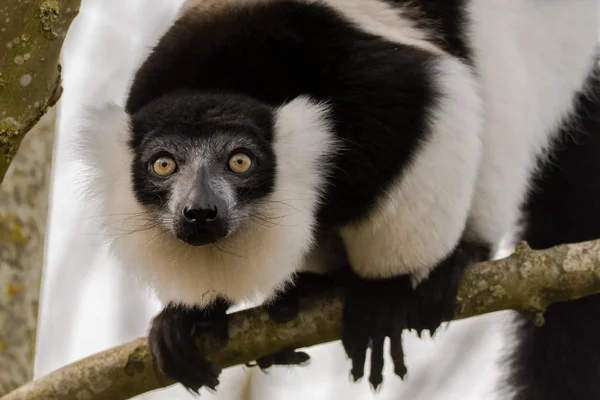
x=561, y=359
x=325, y=263
x=172, y=345
x=285, y=308
x=414, y=227
x=376, y=309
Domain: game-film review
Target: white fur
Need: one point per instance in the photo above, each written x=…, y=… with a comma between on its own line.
x=531, y=57
x=421, y=218
x=256, y=260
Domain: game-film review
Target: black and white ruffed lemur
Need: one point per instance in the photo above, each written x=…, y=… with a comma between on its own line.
x=263, y=141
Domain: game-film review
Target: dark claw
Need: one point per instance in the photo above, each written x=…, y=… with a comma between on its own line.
x=172, y=345
x=375, y=309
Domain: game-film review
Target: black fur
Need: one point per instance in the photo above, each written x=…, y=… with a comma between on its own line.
x=561, y=359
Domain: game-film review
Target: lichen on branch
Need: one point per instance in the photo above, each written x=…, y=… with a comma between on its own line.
x=31, y=36
x=527, y=281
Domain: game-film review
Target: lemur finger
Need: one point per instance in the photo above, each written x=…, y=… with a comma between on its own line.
x=396, y=349
x=265, y=362
x=352, y=322
x=377, y=361
x=189, y=366
x=172, y=365
x=294, y=358
x=359, y=351
x=291, y=357
x=348, y=341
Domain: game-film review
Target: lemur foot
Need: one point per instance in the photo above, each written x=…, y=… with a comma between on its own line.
x=376, y=309
x=285, y=308
x=172, y=345
x=285, y=357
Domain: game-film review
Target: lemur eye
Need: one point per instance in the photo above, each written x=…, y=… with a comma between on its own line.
x=240, y=163
x=164, y=166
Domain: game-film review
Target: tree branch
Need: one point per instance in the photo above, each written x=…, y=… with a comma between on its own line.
x=527, y=281
x=31, y=38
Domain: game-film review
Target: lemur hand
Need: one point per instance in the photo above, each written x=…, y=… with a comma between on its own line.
x=171, y=342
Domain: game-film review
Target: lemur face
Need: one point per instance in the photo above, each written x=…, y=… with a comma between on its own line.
x=203, y=163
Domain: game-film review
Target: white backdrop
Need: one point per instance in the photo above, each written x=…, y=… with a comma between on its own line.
x=88, y=305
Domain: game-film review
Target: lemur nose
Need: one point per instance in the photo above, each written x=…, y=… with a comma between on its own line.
x=196, y=213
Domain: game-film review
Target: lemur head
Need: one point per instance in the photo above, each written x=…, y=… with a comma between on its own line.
x=202, y=194
x=203, y=162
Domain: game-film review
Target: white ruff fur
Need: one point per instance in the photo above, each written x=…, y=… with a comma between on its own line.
x=421, y=218
x=258, y=260
x=531, y=57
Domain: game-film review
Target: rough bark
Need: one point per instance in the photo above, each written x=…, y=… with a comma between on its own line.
x=527, y=281
x=23, y=214
x=31, y=36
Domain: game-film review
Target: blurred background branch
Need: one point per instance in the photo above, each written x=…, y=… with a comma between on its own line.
x=527, y=281
x=24, y=196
